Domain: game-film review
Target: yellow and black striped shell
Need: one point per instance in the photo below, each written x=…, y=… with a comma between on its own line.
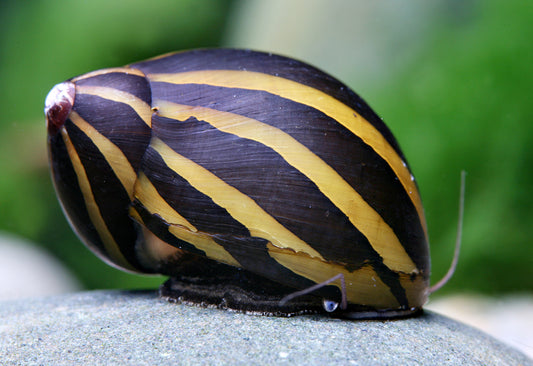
x=232, y=166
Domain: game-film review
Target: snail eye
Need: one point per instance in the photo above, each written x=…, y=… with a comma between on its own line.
x=330, y=305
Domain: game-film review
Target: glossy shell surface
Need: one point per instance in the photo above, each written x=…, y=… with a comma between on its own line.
x=252, y=160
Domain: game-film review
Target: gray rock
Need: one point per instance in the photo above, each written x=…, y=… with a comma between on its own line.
x=508, y=318
x=121, y=327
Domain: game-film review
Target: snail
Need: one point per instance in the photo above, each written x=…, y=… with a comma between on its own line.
x=256, y=182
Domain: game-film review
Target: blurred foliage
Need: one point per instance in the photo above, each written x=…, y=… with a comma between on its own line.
x=45, y=42
x=463, y=102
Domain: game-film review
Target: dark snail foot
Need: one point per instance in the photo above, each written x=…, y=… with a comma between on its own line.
x=238, y=290
x=204, y=282
x=247, y=296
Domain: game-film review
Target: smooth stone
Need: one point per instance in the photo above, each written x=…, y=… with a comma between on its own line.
x=507, y=318
x=136, y=327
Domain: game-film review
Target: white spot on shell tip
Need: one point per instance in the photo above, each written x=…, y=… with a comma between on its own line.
x=60, y=93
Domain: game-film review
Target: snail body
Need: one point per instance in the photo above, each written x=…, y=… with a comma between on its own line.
x=245, y=177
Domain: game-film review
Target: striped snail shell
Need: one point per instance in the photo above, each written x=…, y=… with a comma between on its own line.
x=244, y=176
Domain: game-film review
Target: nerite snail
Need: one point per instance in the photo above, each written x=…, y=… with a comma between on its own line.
x=248, y=178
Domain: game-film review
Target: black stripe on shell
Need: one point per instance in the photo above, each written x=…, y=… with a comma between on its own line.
x=109, y=194
x=118, y=122
x=70, y=195
x=194, y=206
x=277, y=187
x=129, y=83
x=247, y=166
x=346, y=153
x=209, y=218
x=159, y=227
x=230, y=59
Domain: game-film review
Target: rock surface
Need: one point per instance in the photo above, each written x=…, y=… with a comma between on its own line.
x=124, y=327
x=509, y=318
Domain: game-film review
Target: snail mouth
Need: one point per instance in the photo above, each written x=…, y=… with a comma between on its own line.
x=58, y=105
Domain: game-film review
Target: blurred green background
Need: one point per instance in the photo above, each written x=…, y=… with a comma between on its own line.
x=452, y=79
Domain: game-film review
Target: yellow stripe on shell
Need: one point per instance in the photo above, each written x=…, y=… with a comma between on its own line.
x=330, y=183
x=363, y=286
x=111, y=246
x=150, y=198
x=416, y=289
x=180, y=227
x=314, y=98
x=204, y=242
x=138, y=105
x=112, y=154
x=124, y=70
x=241, y=207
